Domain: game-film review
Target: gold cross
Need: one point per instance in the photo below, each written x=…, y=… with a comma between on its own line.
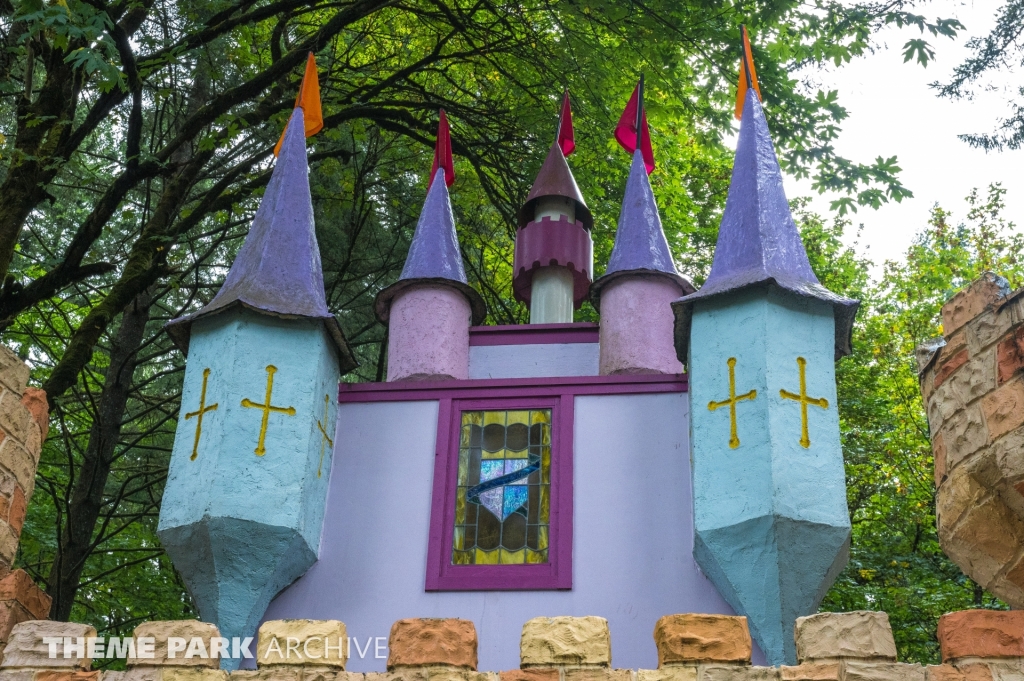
x=267, y=408
x=804, y=400
x=734, y=440
x=199, y=414
x=326, y=439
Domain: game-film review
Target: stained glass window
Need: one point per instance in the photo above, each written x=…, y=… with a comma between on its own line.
x=502, y=506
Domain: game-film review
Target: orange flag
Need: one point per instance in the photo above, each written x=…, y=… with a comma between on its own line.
x=309, y=99
x=748, y=58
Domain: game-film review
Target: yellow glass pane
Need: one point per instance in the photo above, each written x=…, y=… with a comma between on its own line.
x=487, y=557
x=462, y=558
x=500, y=454
x=545, y=465
x=545, y=504
x=464, y=439
x=519, y=417
x=542, y=537
x=509, y=454
x=472, y=418
x=513, y=557
x=545, y=438
x=536, y=557
x=460, y=506
x=494, y=417
x=459, y=539
x=540, y=416
x=463, y=468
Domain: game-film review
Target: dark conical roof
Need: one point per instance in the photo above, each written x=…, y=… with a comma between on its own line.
x=434, y=255
x=277, y=270
x=640, y=244
x=555, y=179
x=758, y=242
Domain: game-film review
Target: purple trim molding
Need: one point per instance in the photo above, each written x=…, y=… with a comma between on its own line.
x=533, y=334
x=493, y=388
x=557, y=572
x=547, y=242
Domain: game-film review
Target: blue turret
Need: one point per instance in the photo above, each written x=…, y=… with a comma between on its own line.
x=760, y=339
x=244, y=502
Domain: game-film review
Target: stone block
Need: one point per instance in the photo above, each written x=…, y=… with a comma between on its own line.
x=598, y=674
x=970, y=302
x=971, y=672
x=14, y=418
x=982, y=542
x=431, y=674
x=1010, y=355
x=1006, y=670
x=19, y=461
x=8, y=543
x=946, y=368
x=811, y=671
x=17, y=674
x=987, y=329
x=981, y=633
x=939, y=457
x=976, y=379
x=425, y=642
x=702, y=638
x=1004, y=408
x=135, y=674
x=863, y=670
x=956, y=495
x=738, y=673
x=11, y=613
x=538, y=674
x=552, y=641
x=26, y=646
x=34, y=399
x=16, y=516
x=193, y=674
x=832, y=635
x=350, y=676
x=53, y=675
x=942, y=404
x=18, y=587
x=302, y=642
x=162, y=631
x=676, y=672
x=13, y=371
x=273, y=673
x=963, y=435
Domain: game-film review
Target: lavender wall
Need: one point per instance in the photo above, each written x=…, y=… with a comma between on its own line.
x=632, y=545
x=533, y=360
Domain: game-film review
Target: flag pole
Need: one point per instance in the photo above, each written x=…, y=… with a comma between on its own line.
x=743, y=48
x=561, y=111
x=639, y=109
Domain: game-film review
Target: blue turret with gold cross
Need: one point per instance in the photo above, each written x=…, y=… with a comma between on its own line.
x=243, y=506
x=760, y=340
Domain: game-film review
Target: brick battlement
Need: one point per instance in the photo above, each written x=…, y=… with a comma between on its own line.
x=977, y=645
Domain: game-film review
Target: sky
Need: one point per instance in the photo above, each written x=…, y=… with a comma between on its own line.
x=894, y=112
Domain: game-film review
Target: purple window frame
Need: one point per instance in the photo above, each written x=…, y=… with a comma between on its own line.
x=442, y=575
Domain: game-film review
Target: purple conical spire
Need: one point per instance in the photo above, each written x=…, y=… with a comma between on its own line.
x=434, y=255
x=277, y=270
x=758, y=242
x=640, y=244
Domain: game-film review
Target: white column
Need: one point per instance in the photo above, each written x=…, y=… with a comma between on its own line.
x=552, y=288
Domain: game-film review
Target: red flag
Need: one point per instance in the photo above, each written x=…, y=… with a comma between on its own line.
x=625, y=131
x=566, y=136
x=309, y=99
x=443, y=153
x=741, y=91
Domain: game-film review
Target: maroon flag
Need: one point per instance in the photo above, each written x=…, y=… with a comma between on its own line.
x=625, y=131
x=566, y=136
x=443, y=153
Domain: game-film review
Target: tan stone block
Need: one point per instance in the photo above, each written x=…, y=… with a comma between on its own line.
x=13, y=372
x=8, y=543
x=537, y=674
x=162, y=631
x=17, y=675
x=943, y=403
x=738, y=673
x=422, y=642
x=272, y=673
x=302, y=642
x=1004, y=408
x=987, y=329
x=945, y=367
x=976, y=379
x=674, y=672
x=11, y=613
x=1006, y=670
x=954, y=344
x=551, y=641
x=19, y=587
x=432, y=674
x=14, y=418
x=971, y=672
x=862, y=670
x=831, y=635
x=812, y=671
x=66, y=676
x=34, y=399
x=598, y=674
x=702, y=638
x=350, y=676
x=19, y=461
x=982, y=542
x=971, y=301
x=958, y=493
x=981, y=633
x=939, y=458
x=963, y=435
x=26, y=646
x=135, y=674
x=193, y=674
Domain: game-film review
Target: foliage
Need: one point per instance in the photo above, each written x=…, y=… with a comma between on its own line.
x=896, y=563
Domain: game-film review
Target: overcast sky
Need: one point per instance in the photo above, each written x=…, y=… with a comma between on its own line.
x=894, y=112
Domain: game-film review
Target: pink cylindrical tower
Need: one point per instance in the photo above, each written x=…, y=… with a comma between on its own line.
x=635, y=293
x=430, y=308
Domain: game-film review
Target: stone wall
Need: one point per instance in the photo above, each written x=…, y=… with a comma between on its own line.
x=973, y=388
x=24, y=415
x=858, y=646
